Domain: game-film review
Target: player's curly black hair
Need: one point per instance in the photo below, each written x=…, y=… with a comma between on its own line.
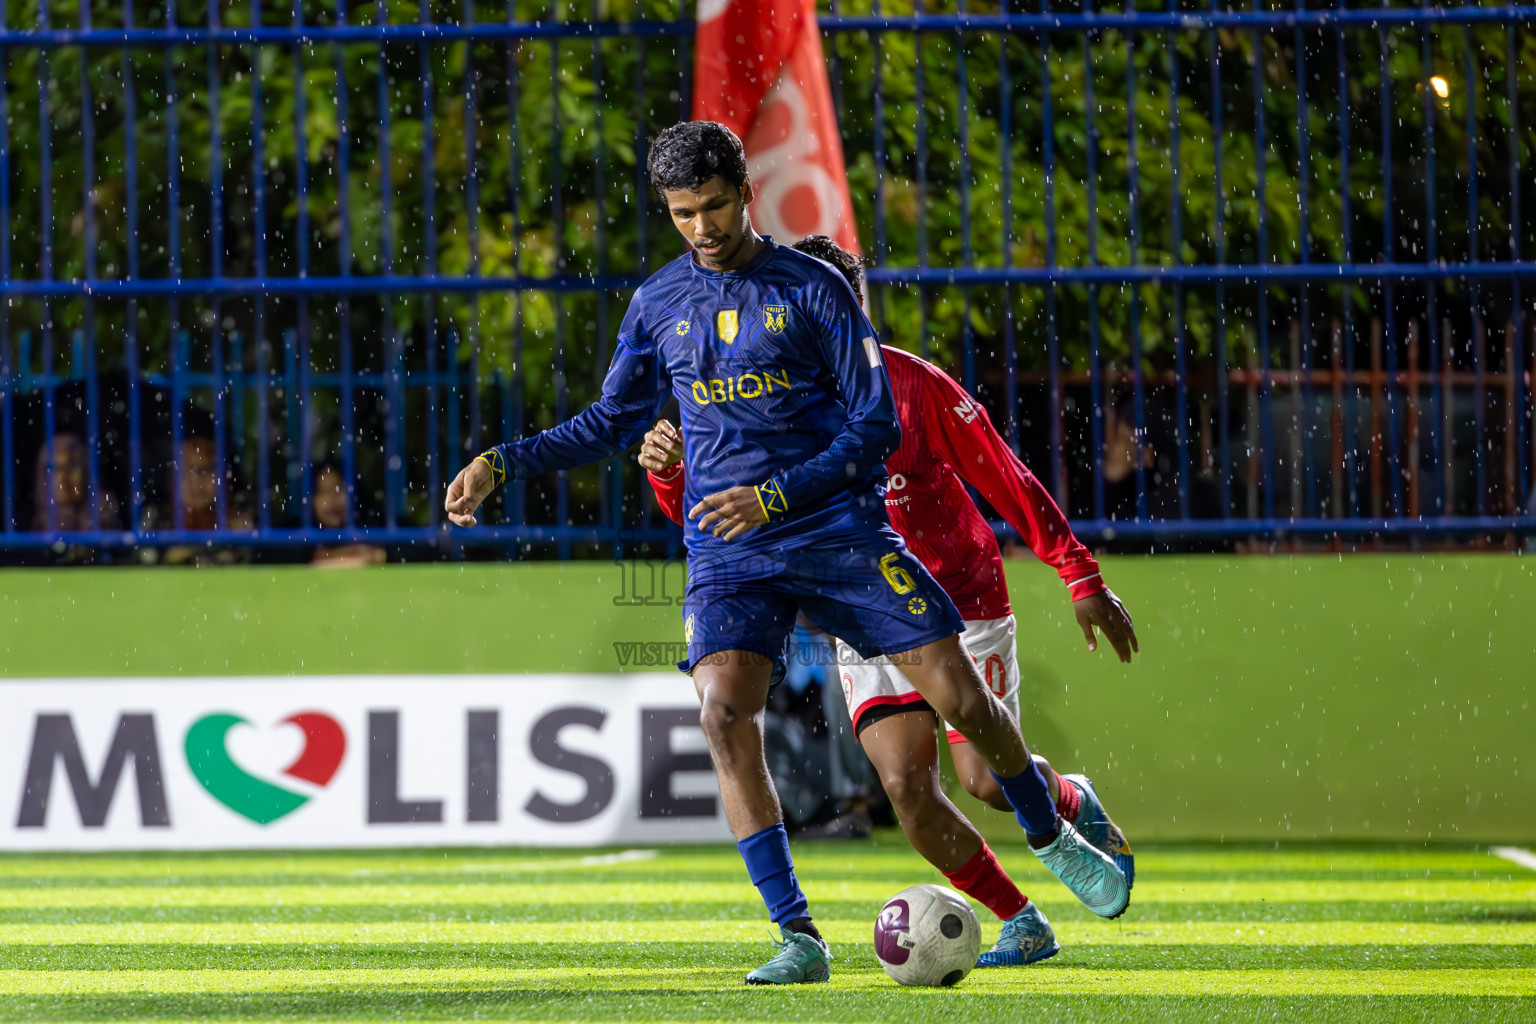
x=848, y=264
x=689, y=153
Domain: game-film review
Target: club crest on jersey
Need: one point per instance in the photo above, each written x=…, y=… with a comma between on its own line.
x=774, y=318
x=726, y=325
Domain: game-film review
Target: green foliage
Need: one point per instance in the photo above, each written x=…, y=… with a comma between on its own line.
x=1071, y=205
x=557, y=126
x=520, y=159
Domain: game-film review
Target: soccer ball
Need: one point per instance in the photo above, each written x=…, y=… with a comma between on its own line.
x=927, y=935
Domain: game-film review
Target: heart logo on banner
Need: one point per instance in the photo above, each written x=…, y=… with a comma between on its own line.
x=234, y=787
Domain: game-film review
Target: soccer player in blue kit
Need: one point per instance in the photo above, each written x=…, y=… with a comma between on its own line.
x=787, y=419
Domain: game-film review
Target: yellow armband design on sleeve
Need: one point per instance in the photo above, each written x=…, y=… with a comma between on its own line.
x=771, y=497
x=497, y=464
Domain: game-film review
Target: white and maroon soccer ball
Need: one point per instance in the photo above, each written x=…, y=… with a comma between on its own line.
x=927, y=935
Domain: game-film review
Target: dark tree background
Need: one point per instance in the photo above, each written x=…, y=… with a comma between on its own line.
x=521, y=159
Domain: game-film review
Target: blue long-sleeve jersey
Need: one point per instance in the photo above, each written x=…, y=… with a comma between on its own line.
x=778, y=375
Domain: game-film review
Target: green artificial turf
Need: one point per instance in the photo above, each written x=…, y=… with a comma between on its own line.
x=1297, y=933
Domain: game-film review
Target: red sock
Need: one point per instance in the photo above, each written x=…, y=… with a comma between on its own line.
x=984, y=878
x=1068, y=800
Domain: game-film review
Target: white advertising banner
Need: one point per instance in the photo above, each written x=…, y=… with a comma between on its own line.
x=249, y=762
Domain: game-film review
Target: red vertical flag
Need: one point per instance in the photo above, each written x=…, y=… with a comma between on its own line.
x=760, y=72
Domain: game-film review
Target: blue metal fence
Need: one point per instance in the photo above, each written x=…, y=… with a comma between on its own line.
x=1219, y=273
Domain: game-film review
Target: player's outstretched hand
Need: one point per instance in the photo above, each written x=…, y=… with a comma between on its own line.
x=471, y=487
x=662, y=447
x=729, y=514
x=1105, y=611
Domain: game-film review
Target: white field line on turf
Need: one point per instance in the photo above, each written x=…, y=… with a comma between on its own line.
x=622, y=857
x=594, y=861
x=512, y=867
x=1515, y=855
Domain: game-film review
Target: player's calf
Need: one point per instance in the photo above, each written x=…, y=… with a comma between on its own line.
x=984, y=787
x=946, y=677
x=977, y=779
x=904, y=750
x=733, y=689
x=905, y=753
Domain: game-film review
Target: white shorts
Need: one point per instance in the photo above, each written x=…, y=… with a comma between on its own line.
x=875, y=688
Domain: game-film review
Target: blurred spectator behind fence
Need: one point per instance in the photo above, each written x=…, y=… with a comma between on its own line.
x=194, y=475
x=332, y=500
x=1156, y=452
x=70, y=508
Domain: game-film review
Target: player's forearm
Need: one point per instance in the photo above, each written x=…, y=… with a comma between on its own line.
x=1086, y=579
x=853, y=455
x=963, y=435
x=555, y=449
x=596, y=433
x=668, y=487
x=1040, y=522
x=1054, y=543
x=611, y=424
x=1021, y=499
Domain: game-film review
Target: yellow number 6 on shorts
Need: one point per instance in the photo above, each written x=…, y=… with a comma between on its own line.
x=900, y=580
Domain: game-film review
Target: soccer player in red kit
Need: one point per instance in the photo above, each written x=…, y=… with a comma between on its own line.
x=946, y=438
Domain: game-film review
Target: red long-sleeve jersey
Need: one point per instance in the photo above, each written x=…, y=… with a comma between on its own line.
x=947, y=438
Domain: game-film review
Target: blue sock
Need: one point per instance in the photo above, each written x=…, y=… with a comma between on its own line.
x=1031, y=800
x=771, y=870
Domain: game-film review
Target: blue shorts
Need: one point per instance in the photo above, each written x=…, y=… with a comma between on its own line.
x=871, y=593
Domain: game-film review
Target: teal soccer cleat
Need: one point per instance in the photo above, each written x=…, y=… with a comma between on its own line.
x=801, y=960
x=1027, y=937
x=1087, y=871
x=1094, y=825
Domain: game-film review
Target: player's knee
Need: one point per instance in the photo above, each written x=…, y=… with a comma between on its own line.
x=971, y=708
x=912, y=790
x=723, y=719
x=718, y=718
